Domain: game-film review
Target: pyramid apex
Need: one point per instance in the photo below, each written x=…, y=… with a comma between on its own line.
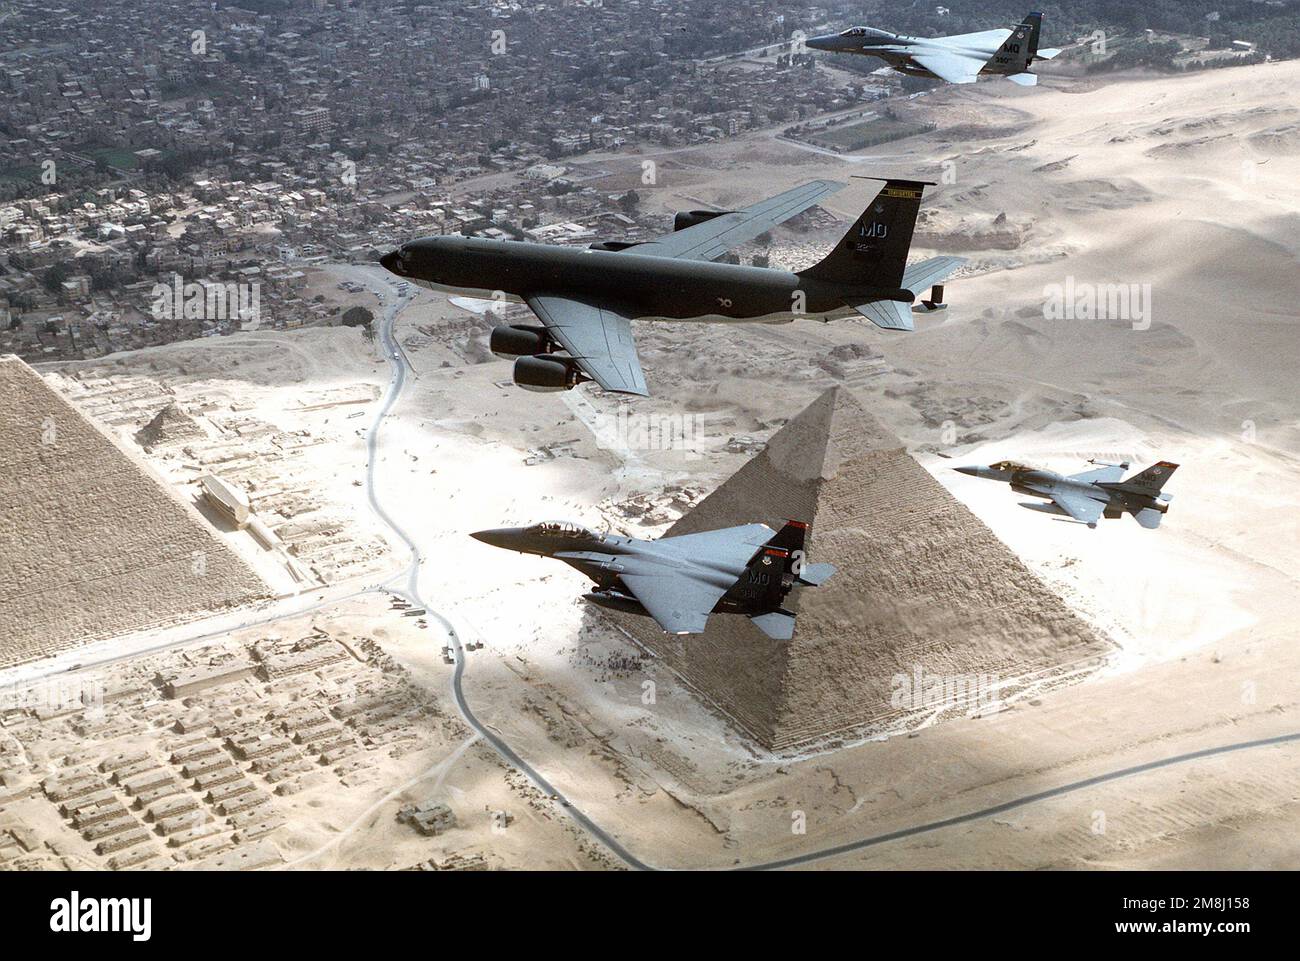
x=832, y=429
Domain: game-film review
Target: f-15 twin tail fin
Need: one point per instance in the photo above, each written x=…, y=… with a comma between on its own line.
x=778, y=567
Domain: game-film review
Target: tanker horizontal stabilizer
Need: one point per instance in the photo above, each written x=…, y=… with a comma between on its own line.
x=887, y=314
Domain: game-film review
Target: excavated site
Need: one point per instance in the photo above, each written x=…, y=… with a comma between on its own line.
x=232, y=413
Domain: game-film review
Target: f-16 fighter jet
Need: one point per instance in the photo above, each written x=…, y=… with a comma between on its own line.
x=1089, y=496
x=958, y=59
x=587, y=297
x=680, y=581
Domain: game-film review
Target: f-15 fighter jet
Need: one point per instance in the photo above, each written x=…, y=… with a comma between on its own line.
x=680, y=581
x=958, y=59
x=1089, y=496
x=587, y=297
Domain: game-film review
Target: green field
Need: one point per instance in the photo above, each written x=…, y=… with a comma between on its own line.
x=122, y=159
x=869, y=133
x=27, y=174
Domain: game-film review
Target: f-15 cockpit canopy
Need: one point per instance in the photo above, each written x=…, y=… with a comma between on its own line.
x=565, y=529
x=854, y=32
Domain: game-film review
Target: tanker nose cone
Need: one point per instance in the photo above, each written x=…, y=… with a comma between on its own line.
x=393, y=263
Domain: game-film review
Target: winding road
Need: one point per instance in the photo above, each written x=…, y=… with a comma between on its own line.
x=411, y=592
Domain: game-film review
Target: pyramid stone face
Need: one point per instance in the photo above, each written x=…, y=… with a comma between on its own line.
x=92, y=546
x=921, y=584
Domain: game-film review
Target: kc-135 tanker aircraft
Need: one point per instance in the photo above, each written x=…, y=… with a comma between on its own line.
x=679, y=581
x=958, y=59
x=586, y=298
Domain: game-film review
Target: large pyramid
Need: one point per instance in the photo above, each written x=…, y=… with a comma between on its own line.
x=922, y=585
x=92, y=546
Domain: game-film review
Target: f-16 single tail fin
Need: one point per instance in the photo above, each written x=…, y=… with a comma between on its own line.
x=874, y=251
x=1150, y=481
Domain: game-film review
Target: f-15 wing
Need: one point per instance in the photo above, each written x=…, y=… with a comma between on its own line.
x=983, y=40
x=680, y=602
x=1081, y=508
x=677, y=601
x=714, y=237
x=731, y=546
x=950, y=65
x=599, y=339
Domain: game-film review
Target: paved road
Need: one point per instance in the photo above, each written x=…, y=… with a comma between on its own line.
x=1011, y=805
x=411, y=592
